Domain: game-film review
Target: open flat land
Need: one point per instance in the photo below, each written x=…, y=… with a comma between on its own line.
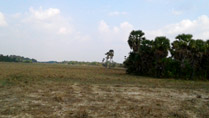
x=53, y=90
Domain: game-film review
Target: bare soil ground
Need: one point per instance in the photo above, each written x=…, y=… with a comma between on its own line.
x=44, y=90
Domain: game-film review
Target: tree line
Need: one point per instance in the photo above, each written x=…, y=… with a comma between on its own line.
x=14, y=58
x=184, y=58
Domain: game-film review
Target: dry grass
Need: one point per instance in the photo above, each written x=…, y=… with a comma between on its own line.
x=47, y=90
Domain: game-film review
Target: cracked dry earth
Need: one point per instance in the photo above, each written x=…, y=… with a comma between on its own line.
x=66, y=100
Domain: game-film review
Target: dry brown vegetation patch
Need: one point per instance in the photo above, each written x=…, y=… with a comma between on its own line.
x=44, y=90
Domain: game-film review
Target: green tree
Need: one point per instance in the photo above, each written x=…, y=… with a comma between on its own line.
x=161, y=48
x=135, y=39
x=189, y=58
x=181, y=53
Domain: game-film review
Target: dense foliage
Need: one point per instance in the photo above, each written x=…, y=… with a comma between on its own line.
x=14, y=58
x=184, y=58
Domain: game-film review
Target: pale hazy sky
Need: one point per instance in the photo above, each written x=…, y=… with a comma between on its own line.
x=84, y=30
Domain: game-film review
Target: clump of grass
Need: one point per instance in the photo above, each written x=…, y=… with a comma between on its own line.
x=81, y=114
x=78, y=114
x=179, y=114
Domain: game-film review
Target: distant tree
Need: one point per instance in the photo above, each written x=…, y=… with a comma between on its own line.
x=14, y=58
x=125, y=57
x=109, y=57
x=103, y=60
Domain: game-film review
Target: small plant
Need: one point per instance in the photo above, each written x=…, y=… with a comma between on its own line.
x=81, y=114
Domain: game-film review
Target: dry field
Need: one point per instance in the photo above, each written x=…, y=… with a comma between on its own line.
x=52, y=90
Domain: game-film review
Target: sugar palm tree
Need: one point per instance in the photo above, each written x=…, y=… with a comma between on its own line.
x=161, y=47
x=109, y=57
x=135, y=39
x=198, y=49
